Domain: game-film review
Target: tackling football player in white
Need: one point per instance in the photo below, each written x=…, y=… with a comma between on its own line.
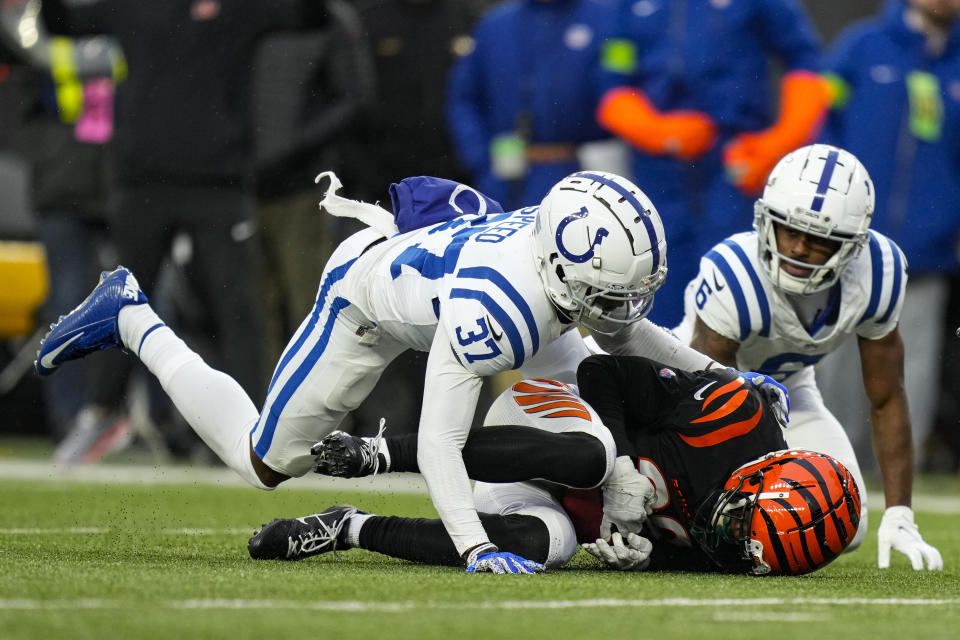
x=777, y=299
x=483, y=293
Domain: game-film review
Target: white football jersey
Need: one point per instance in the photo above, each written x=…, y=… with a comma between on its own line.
x=476, y=274
x=733, y=296
x=467, y=291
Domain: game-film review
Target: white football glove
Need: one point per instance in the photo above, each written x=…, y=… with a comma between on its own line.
x=632, y=555
x=486, y=558
x=628, y=498
x=898, y=532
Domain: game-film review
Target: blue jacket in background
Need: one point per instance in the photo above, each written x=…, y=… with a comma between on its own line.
x=533, y=68
x=916, y=172
x=712, y=57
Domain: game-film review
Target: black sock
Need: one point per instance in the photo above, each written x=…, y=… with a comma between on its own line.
x=426, y=540
x=403, y=452
x=513, y=454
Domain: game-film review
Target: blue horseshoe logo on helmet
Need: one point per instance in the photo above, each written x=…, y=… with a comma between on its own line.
x=597, y=238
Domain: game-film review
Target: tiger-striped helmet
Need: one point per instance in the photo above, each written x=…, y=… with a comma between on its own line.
x=788, y=513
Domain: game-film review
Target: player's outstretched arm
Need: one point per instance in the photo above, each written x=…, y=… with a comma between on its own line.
x=652, y=341
x=882, y=362
x=449, y=400
x=715, y=346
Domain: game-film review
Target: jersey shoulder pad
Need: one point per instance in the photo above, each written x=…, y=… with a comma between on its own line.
x=730, y=294
x=882, y=268
x=491, y=322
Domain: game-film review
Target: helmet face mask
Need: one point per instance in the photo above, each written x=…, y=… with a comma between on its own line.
x=724, y=533
x=600, y=250
x=821, y=191
x=788, y=513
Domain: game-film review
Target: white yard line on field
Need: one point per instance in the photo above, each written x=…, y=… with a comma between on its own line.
x=406, y=483
x=769, y=616
x=403, y=606
x=186, y=531
x=150, y=474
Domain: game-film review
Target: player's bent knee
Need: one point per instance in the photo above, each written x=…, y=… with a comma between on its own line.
x=605, y=441
x=541, y=534
x=594, y=457
x=524, y=535
x=561, y=534
x=267, y=476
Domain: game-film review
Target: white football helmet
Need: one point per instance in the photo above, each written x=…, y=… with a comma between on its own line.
x=600, y=250
x=822, y=191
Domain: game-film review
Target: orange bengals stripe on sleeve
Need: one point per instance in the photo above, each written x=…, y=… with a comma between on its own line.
x=554, y=399
x=726, y=408
x=724, y=433
x=730, y=386
x=732, y=403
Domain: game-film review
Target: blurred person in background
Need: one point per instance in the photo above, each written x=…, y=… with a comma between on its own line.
x=182, y=150
x=401, y=132
x=310, y=88
x=413, y=44
x=24, y=275
x=896, y=105
x=520, y=105
x=687, y=84
x=67, y=121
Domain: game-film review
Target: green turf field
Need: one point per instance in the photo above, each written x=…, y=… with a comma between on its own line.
x=103, y=560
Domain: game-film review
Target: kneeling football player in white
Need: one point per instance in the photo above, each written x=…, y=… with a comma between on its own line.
x=778, y=299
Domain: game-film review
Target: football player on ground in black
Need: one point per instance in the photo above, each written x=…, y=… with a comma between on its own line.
x=723, y=494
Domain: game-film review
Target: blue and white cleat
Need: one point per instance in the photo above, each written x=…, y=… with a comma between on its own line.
x=92, y=325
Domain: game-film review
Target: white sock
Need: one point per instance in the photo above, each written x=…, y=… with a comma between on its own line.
x=354, y=526
x=165, y=353
x=214, y=405
x=382, y=448
x=384, y=451
x=133, y=321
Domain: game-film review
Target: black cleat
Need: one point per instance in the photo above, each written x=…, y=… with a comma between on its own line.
x=342, y=455
x=299, y=538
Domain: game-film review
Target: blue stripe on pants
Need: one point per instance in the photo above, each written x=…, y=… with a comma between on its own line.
x=290, y=387
x=334, y=276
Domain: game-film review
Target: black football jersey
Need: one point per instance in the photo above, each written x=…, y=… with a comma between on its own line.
x=687, y=432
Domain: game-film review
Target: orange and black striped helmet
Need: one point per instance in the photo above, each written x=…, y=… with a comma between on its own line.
x=788, y=513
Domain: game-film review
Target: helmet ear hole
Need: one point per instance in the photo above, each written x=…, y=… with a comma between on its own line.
x=561, y=275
